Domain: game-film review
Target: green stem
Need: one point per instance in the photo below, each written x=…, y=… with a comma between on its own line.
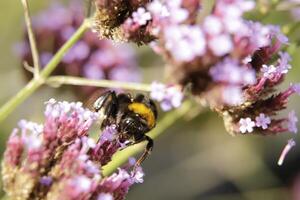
x=32, y=41
x=122, y=156
x=34, y=84
x=69, y=80
x=64, y=49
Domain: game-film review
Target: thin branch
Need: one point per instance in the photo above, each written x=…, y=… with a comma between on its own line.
x=35, y=83
x=89, y=8
x=28, y=67
x=32, y=41
x=70, y=80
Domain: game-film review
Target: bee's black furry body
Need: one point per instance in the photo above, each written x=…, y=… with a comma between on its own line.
x=133, y=117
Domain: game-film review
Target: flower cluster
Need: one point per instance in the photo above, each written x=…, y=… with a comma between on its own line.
x=139, y=20
x=59, y=160
x=90, y=57
x=168, y=96
x=232, y=64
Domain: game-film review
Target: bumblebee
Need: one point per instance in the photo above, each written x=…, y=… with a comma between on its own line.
x=133, y=116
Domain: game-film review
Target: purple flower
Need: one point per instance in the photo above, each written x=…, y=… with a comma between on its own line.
x=187, y=38
x=169, y=97
x=292, y=122
x=232, y=95
x=276, y=32
x=258, y=34
x=138, y=175
x=212, y=25
x=296, y=88
x=81, y=183
x=246, y=125
x=172, y=99
x=221, y=44
x=177, y=14
x=158, y=91
x=283, y=63
x=229, y=71
x=79, y=51
x=141, y=16
x=158, y=9
x=105, y=196
x=262, y=121
x=268, y=71
x=59, y=160
x=46, y=180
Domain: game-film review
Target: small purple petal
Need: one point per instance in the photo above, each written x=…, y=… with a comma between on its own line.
x=246, y=125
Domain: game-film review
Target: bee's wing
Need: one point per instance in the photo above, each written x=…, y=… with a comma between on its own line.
x=89, y=103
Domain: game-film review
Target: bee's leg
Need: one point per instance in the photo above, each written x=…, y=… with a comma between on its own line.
x=147, y=152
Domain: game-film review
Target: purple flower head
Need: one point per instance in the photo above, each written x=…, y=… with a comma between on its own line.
x=227, y=61
x=246, y=125
x=262, y=121
x=292, y=122
x=61, y=161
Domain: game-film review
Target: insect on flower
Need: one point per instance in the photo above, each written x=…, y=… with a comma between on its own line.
x=133, y=117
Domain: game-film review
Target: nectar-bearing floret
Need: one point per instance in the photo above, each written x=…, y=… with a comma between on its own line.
x=169, y=96
x=59, y=160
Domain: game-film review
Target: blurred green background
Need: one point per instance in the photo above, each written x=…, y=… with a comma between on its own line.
x=196, y=158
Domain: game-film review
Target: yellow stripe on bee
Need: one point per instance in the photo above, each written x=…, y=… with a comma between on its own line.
x=144, y=112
